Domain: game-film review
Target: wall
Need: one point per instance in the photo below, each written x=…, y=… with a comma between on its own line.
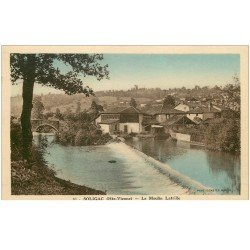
x=98, y=120
x=208, y=115
x=104, y=128
x=192, y=116
x=161, y=118
x=141, y=128
x=181, y=137
x=182, y=107
x=112, y=127
x=132, y=127
x=164, y=117
x=105, y=117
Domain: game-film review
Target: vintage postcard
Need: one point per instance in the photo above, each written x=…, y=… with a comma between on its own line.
x=125, y=122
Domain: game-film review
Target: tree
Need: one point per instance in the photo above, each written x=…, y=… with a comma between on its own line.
x=224, y=135
x=58, y=114
x=38, y=108
x=96, y=108
x=169, y=102
x=133, y=103
x=233, y=90
x=42, y=69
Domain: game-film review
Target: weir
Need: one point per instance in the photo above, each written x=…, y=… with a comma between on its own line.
x=178, y=178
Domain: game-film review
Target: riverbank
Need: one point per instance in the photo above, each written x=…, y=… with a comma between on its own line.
x=40, y=180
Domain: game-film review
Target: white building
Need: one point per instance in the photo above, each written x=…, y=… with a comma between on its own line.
x=125, y=120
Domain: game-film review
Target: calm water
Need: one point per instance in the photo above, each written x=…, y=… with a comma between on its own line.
x=90, y=166
x=217, y=170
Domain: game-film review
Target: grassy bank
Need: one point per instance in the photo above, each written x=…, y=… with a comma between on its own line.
x=40, y=180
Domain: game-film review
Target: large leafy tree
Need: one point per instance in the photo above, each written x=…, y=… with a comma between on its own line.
x=96, y=108
x=133, y=103
x=42, y=69
x=169, y=102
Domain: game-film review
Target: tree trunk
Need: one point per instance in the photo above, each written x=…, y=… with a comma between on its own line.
x=28, y=86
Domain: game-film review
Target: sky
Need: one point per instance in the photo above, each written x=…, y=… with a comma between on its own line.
x=158, y=70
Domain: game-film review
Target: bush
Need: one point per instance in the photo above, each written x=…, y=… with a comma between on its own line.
x=15, y=141
x=223, y=135
x=82, y=134
x=37, y=152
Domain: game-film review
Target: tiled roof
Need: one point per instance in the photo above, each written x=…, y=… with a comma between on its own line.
x=151, y=121
x=170, y=111
x=161, y=110
x=131, y=110
x=178, y=120
x=109, y=121
x=122, y=110
x=152, y=110
x=113, y=110
x=203, y=110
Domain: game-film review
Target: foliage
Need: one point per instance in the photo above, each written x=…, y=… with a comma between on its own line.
x=78, y=107
x=37, y=151
x=223, y=134
x=38, y=108
x=230, y=114
x=58, y=114
x=79, y=65
x=83, y=136
x=96, y=108
x=169, y=102
x=43, y=69
x=133, y=103
x=15, y=141
x=48, y=115
x=233, y=90
x=78, y=130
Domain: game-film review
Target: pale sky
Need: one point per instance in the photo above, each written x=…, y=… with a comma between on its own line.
x=158, y=70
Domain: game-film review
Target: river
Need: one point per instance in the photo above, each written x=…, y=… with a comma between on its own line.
x=129, y=174
x=217, y=170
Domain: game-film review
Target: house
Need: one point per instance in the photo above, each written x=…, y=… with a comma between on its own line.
x=194, y=111
x=161, y=114
x=176, y=122
x=120, y=119
x=164, y=114
x=178, y=127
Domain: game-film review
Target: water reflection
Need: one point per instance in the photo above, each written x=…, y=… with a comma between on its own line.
x=217, y=170
x=228, y=163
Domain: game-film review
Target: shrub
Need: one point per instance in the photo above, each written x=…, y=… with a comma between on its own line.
x=15, y=141
x=223, y=135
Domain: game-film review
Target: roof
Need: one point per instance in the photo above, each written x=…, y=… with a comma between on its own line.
x=131, y=110
x=203, y=110
x=151, y=121
x=109, y=121
x=152, y=110
x=122, y=110
x=178, y=120
x=170, y=111
x=113, y=110
x=156, y=126
x=161, y=110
